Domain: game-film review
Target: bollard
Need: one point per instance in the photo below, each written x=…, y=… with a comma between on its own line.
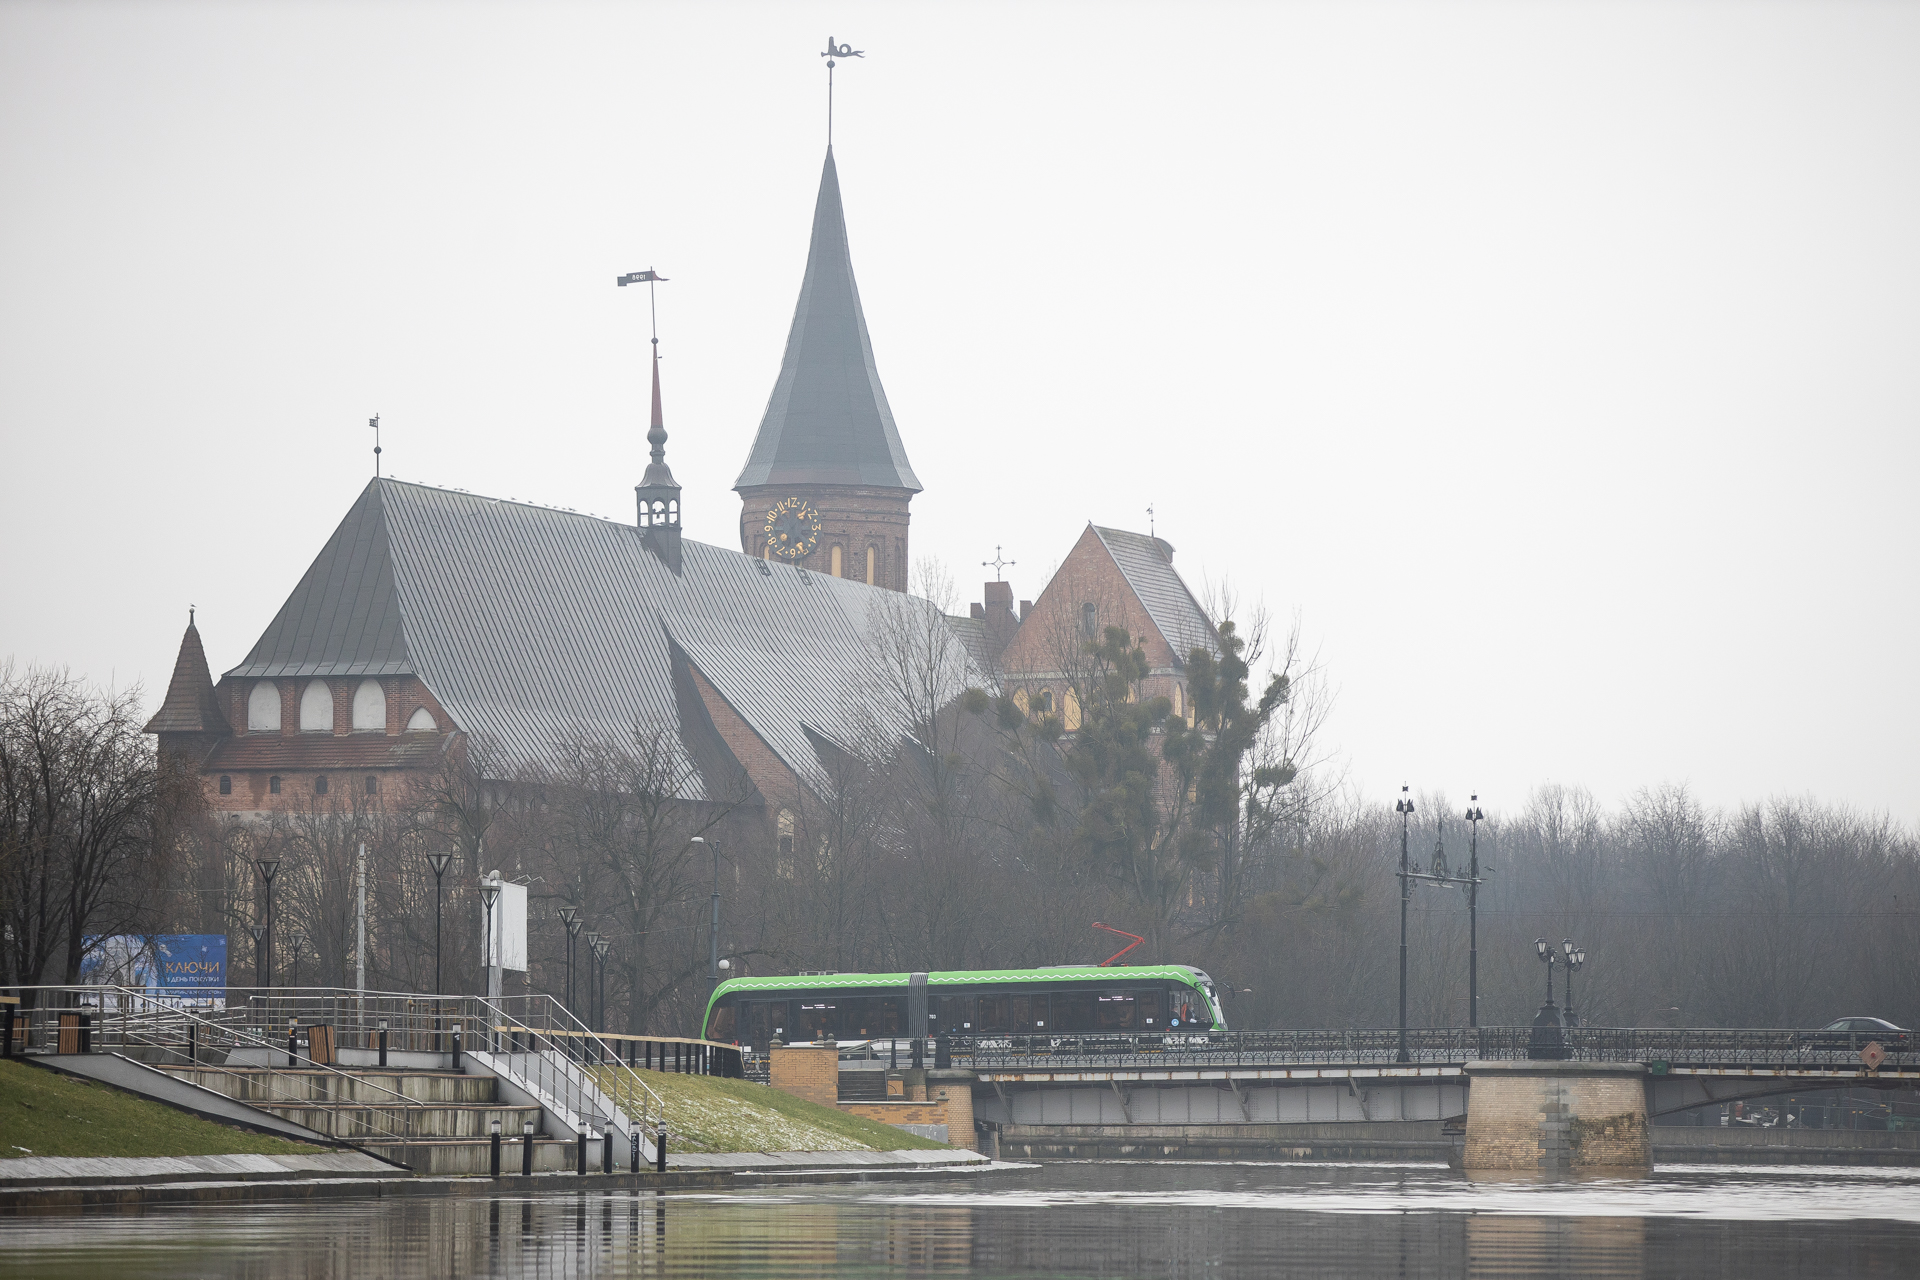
x=293, y=1042
x=633, y=1156
x=649, y=1045
x=582, y=1158
x=526, y=1149
x=383, y=1042
x=493, y=1127
x=606, y=1150
x=660, y=1148
x=456, y=1046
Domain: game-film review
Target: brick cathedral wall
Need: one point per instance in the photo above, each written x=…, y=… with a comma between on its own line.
x=853, y=518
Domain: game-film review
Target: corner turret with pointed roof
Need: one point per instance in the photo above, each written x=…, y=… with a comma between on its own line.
x=189, y=718
x=657, y=496
x=827, y=449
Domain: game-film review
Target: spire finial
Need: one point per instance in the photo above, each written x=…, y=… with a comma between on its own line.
x=836, y=51
x=374, y=422
x=997, y=563
x=657, y=494
x=189, y=615
x=1150, y=529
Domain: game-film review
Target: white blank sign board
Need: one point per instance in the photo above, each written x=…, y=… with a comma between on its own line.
x=510, y=928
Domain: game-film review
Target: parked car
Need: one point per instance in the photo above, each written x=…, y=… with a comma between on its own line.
x=1856, y=1033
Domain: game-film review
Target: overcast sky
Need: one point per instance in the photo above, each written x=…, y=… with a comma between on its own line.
x=1555, y=364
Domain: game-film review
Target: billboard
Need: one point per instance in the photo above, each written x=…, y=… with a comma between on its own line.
x=509, y=948
x=180, y=966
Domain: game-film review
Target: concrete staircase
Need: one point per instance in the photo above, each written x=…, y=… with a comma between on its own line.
x=442, y=1127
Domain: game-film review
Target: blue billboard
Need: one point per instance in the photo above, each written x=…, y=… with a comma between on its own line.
x=180, y=966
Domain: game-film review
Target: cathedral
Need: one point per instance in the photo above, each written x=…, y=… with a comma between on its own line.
x=439, y=626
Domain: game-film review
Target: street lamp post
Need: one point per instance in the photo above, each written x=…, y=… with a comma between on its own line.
x=1545, y=951
x=601, y=945
x=489, y=894
x=1575, y=957
x=439, y=862
x=267, y=866
x=713, y=927
x=593, y=952
x=298, y=942
x=1405, y=809
x=570, y=917
x=1475, y=817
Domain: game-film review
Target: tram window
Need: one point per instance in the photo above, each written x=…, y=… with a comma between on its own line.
x=720, y=1025
x=1029, y=1013
x=1188, y=1008
x=1149, y=1003
x=1117, y=1011
x=817, y=1019
x=993, y=1014
x=865, y=1017
x=953, y=1015
x=1073, y=1011
x=762, y=1017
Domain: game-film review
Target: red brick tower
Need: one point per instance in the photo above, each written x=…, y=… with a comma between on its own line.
x=827, y=483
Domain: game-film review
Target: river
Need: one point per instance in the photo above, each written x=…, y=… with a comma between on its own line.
x=1094, y=1219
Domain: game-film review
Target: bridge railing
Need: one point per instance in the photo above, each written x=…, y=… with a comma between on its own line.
x=1432, y=1046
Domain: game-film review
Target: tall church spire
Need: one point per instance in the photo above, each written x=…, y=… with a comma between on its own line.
x=828, y=421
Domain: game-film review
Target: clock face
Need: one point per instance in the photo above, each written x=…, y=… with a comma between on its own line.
x=793, y=527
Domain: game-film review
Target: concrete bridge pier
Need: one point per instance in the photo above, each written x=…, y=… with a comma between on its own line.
x=1557, y=1117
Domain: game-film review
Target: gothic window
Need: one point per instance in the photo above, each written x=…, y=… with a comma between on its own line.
x=837, y=564
x=783, y=864
x=872, y=557
x=273, y=785
x=1089, y=619
x=422, y=722
x=1072, y=712
x=373, y=785
x=1043, y=702
x=263, y=708
x=1178, y=712
x=320, y=785
x=226, y=784
x=369, y=708
x=316, y=708
x=1021, y=701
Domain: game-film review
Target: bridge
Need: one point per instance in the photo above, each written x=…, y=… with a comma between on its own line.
x=1582, y=1096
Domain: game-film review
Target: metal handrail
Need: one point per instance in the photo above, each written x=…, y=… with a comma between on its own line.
x=572, y=1043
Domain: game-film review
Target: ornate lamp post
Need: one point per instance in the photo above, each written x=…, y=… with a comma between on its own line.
x=439, y=863
x=1545, y=951
x=1475, y=817
x=601, y=945
x=267, y=865
x=570, y=917
x=1405, y=809
x=1575, y=957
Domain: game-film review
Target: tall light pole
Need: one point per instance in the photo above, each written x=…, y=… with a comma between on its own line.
x=1576, y=956
x=593, y=951
x=601, y=945
x=713, y=927
x=1405, y=810
x=267, y=866
x=1473, y=913
x=489, y=894
x=570, y=917
x=439, y=862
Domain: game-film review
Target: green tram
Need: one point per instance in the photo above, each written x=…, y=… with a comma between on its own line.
x=1063, y=1000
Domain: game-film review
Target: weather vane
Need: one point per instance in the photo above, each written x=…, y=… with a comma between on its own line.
x=836, y=51
x=1150, y=529
x=649, y=278
x=374, y=422
x=997, y=563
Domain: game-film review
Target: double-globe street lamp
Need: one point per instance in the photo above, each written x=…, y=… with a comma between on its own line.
x=1575, y=957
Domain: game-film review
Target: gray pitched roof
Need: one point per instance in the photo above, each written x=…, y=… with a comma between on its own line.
x=828, y=421
x=189, y=706
x=1147, y=563
x=533, y=626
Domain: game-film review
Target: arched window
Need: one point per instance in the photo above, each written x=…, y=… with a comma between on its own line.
x=273, y=785
x=1072, y=712
x=316, y=708
x=373, y=785
x=320, y=785
x=226, y=784
x=1021, y=701
x=873, y=560
x=836, y=563
x=369, y=708
x=783, y=825
x=1089, y=619
x=263, y=708
x=1179, y=712
x=1043, y=702
x=422, y=722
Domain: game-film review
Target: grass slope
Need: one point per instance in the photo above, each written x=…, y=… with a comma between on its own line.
x=707, y=1113
x=44, y=1114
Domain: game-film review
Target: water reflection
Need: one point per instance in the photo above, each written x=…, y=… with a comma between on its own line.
x=1056, y=1220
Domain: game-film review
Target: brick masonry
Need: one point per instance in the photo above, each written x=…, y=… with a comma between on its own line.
x=1555, y=1117
x=851, y=517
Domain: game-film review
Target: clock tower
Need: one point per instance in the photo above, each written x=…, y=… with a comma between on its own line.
x=827, y=483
